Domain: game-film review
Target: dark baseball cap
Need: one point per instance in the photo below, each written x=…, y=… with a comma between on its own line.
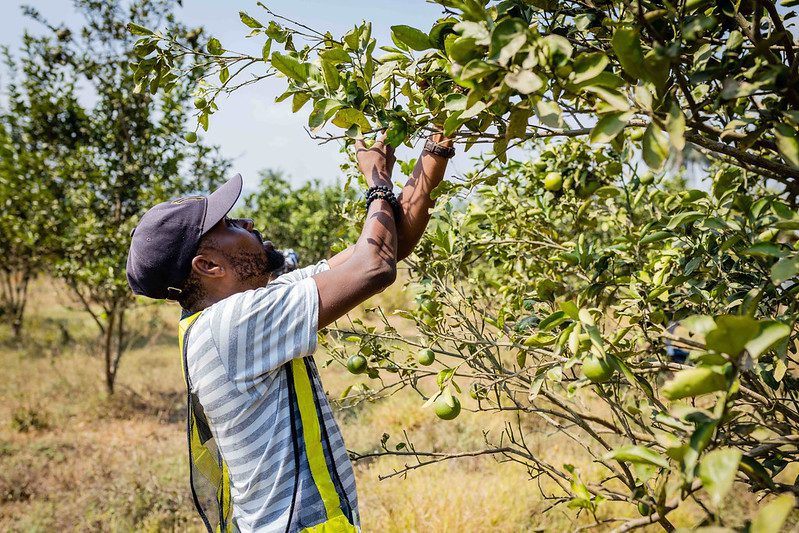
x=167, y=237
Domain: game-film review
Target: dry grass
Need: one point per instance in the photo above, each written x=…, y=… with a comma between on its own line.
x=72, y=458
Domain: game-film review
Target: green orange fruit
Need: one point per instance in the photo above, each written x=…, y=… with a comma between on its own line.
x=598, y=370
x=356, y=364
x=425, y=356
x=553, y=181
x=444, y=410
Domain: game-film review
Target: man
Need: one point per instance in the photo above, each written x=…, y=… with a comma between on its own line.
x=266, y=453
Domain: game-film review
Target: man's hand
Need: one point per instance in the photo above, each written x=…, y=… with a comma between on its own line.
x=375, y=163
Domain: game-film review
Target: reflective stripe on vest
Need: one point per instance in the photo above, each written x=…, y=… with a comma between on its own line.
x=214, y=469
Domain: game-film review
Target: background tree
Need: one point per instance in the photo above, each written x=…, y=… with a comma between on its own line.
x=551, y=285
x=42, y=121
x=279, y=209
x=131, y=157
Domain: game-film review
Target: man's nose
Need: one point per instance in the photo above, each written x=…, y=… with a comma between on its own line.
x=247, y=223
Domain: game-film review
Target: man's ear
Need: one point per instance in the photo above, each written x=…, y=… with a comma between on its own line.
x=205, y=265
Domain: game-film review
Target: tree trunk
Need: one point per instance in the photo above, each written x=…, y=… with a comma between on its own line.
x=110, y=330
x=114, y=343
x=14, y=297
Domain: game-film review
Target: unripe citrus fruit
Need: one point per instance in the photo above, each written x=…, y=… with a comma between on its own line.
x=553, y=181
x=356, y=364
x=190, y=137
x=445, y=411
x=477, y=392
x=597, y=370
x=426, y=356
x=646, y=178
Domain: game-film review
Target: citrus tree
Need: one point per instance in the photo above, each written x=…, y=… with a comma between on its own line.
x=130, y=155
x=40, y=122
x=582, y=281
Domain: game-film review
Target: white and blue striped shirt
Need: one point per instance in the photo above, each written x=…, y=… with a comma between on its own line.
x=237, y=352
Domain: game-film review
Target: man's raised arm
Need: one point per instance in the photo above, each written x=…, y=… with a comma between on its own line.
x=415, y=201
x=371, y=264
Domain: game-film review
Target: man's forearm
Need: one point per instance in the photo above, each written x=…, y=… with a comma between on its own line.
x=415, y=198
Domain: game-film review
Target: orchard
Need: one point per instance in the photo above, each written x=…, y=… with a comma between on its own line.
x=619, y=265
x=621, y=261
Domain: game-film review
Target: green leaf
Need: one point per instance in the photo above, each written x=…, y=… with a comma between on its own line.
x=331, y=75
x=772, y=516
x=787, y=144
x=323, y=110
x=455, y=102
x=276, y=32
x=298, y=101
x=507, y=39
x=523, y=81
x=267, y=48
x=349, y=116
x=785, y=269
x=771, y=333
x=554, y=319
x=627, y=46
x=656, y=236
x=731, y=334
x=558, y=48
x=638, y=455
x=475, y=30
x=675, y=125
x=655, y=147
x=517, y=122
x=683, y=219
x=473, y=111
x=289, y=66
x=476, y=69
x=336, y=55
x=224, y=75
x=588, y=66
x=608, y=127
x=699, y=324
x=549, y=113
x=462, y=50
x=571, y=310
x=411, y=37
x=694, y=382
x=616, y=99
x=214, y=47
x=136, y=29
x=249, y=21
x=717, y=472
x=764, y=249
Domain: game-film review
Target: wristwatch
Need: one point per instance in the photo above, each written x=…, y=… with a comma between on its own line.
x=439, y=149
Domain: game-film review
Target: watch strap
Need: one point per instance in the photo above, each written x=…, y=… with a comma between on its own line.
x=439, y=149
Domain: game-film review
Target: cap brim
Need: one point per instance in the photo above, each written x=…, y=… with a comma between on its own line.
x=221, y=201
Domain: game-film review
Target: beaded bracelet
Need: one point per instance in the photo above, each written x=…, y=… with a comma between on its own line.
x=384, y=193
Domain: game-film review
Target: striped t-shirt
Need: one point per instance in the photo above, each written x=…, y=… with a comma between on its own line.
x=237, y=352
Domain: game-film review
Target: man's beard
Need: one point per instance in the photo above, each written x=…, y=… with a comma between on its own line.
x=251, y=265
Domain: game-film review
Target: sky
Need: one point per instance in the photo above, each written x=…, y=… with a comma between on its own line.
x=251, y=129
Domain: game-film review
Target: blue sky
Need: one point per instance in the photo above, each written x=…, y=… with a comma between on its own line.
x=250, y=127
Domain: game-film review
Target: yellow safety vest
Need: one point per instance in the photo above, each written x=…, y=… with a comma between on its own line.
x=210, y=482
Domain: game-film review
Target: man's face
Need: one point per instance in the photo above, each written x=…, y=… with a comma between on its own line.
x=252, y=259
